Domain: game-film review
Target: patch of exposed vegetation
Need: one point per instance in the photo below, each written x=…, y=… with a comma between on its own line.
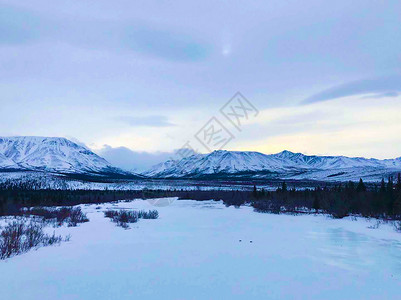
x=71, y=216
x=18, y=237
x=123, y=217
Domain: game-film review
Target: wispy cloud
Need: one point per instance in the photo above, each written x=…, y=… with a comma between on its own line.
x=165, y=44
x=18, y=26
x=382, y=95
x=388, y=85
x=148, y=121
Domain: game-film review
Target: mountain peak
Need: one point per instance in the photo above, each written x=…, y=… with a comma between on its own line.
x=51, y=154
x=286, y=152
x=219, y=151
x=285, y=164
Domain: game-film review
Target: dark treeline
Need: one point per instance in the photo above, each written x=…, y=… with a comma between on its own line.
x=381, y=201
x=15, y=195
x=378, y=201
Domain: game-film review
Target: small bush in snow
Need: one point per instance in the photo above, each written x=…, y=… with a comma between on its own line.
x=69, y=215
x=76, y=216
x=18, y=237
x=397, y=226
x=123, y=217
x=110, y=213
x=151, y=214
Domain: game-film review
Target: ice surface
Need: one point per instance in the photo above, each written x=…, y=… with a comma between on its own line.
x=193, y=251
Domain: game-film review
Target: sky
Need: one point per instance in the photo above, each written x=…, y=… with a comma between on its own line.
x=136, y=80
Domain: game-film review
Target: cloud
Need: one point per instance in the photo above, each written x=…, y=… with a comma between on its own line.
x=382, y=95
x=165, y=44
x=76, y=141
x=388, y=85
x=85, y=62
x=148, y=121
x=18, y=26
x=284, y=121
x=138, y=161
x=331, y=129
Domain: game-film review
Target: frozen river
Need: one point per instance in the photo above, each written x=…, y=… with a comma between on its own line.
x=203, y=250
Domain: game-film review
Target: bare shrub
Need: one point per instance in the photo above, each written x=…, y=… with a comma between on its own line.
x=110, y=213
x=122, y=218
x=11, y=239
x=151, y=214
x=76, y=216
x=376, y=225
x=70, y=215
x=45, y=214
x=52, y=239
x=34, y=235
x=397, y=226
x=17, y=238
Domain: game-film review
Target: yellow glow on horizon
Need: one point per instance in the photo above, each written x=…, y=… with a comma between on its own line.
x=351, y=126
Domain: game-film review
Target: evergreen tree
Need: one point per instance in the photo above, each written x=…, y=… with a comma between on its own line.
x=390, y=185
x=399, y=182
x=383, y=186
x=351, y=186
x=255, y=192
x=397, y=206
x=284, y=187
x=316, y=203
x=390, y=196
x=361, y=186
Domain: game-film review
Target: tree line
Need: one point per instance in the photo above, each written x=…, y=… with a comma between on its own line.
x=379, y=201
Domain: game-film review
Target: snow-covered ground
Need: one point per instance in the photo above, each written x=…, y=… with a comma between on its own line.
x=203, y=250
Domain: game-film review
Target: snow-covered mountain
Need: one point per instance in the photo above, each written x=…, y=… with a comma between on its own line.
x=283, y=165
x=62, y=156
x=55, y=155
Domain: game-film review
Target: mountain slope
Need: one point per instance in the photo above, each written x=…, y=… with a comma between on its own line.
x=57, y=155
x=285, y=164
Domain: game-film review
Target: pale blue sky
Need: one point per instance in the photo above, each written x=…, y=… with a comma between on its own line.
x=146, y=75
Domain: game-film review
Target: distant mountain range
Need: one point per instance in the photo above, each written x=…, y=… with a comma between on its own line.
x=54, y=155
x=283, y=165
x=61, y=156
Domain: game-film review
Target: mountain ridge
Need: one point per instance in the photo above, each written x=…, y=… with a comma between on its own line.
x=62, y=156
x=285, y=164
x=55, y=155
